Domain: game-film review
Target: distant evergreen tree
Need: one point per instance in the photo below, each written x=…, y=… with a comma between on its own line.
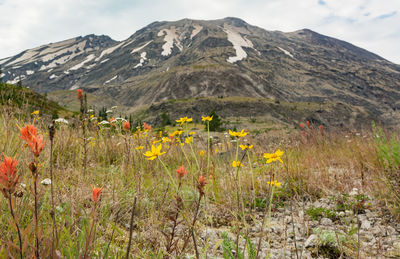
x=103, y=114
x=1, y=75
x=165, y=119
x=130, y=119
x=216, y=123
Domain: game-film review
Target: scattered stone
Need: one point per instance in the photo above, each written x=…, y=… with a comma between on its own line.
x=311, y=241
x=326, y=222
x=365, y=224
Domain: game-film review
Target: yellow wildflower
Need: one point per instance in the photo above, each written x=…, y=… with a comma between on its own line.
x=156, y=141
x=188, y=140
x=154, y=153
x=184, y=119
x=244, y=147
x=139, y=147
x=35, y=112
x=273, y=157
x=91, y=116
x=192, y=133
x=202, y=152
x=207, y=118
x=238, y=134
x=176, y=132
x=237, y=164
x=276, y=183
x=165, y=139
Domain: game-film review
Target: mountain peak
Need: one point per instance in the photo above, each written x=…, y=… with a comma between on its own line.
x=226, y=57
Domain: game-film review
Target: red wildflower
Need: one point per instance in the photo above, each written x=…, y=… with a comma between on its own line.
x=127, y=125
x=29, y=135
x=28, y=131
x=8, y=175
x=308, y=124
x=303, y=133
x=181, y=171
x=321, y=128
x=96, y=193
x=302, y=125
x=36, y=145
x=202, y=183
x=80, y=94
x=147, y=126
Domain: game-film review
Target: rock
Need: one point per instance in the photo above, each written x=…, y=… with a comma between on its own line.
x=390, y=230
x=326, y=221
x=46, y=181
x=311, y=241
x=365, y=224
x=396, y=245
x=353, y=192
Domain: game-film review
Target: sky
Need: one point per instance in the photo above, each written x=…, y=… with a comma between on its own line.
x=370, y=24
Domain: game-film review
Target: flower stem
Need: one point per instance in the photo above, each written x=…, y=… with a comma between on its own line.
x=168, y=172
x=208, y=146
x=16, y=224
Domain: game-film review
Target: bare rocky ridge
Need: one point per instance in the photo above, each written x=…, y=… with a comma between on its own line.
x=220, y=58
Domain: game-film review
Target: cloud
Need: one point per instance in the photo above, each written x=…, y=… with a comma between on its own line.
x=366, y=23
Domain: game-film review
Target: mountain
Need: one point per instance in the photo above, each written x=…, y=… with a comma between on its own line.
x=220, y=58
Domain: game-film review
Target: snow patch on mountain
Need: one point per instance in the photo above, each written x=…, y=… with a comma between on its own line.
x=16, y=80
x=108, y=81
x=170, y=38
x=142, y=59
x=110, y=50
x=30, y=72
x=25, y=57
x=88, y=59
x=2, y=61
x=60, y=57
x=141, y=47
x=196, y=30
x=75, y=50
x=53, y=76
x=286, y=52
x=238, y=43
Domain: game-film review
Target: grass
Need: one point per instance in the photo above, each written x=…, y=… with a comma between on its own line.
x=169, y=213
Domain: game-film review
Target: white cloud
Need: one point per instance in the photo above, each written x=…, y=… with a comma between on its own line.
x=370, y=24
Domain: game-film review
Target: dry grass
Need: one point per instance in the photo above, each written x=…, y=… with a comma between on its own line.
x=315, y=165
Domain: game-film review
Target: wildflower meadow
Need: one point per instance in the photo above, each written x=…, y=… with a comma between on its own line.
x=91, y=188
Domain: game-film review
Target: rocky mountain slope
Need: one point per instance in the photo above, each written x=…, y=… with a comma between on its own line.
x=221, y=58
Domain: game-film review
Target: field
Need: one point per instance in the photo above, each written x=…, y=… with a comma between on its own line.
x=86, y=189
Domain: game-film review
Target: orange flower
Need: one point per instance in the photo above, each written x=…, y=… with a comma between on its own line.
x=112, y=120
x=36, y=145
x=96, y=193
x=181, y=171
x=202, y=180
x=8, y=175
x=28, y=131
x=80, y=94
x=201, y=184
x=29, y=135
x=127, y=125
x=147, y=126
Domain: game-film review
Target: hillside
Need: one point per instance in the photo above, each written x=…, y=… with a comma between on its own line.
x=21, y=100
x=219, y=58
